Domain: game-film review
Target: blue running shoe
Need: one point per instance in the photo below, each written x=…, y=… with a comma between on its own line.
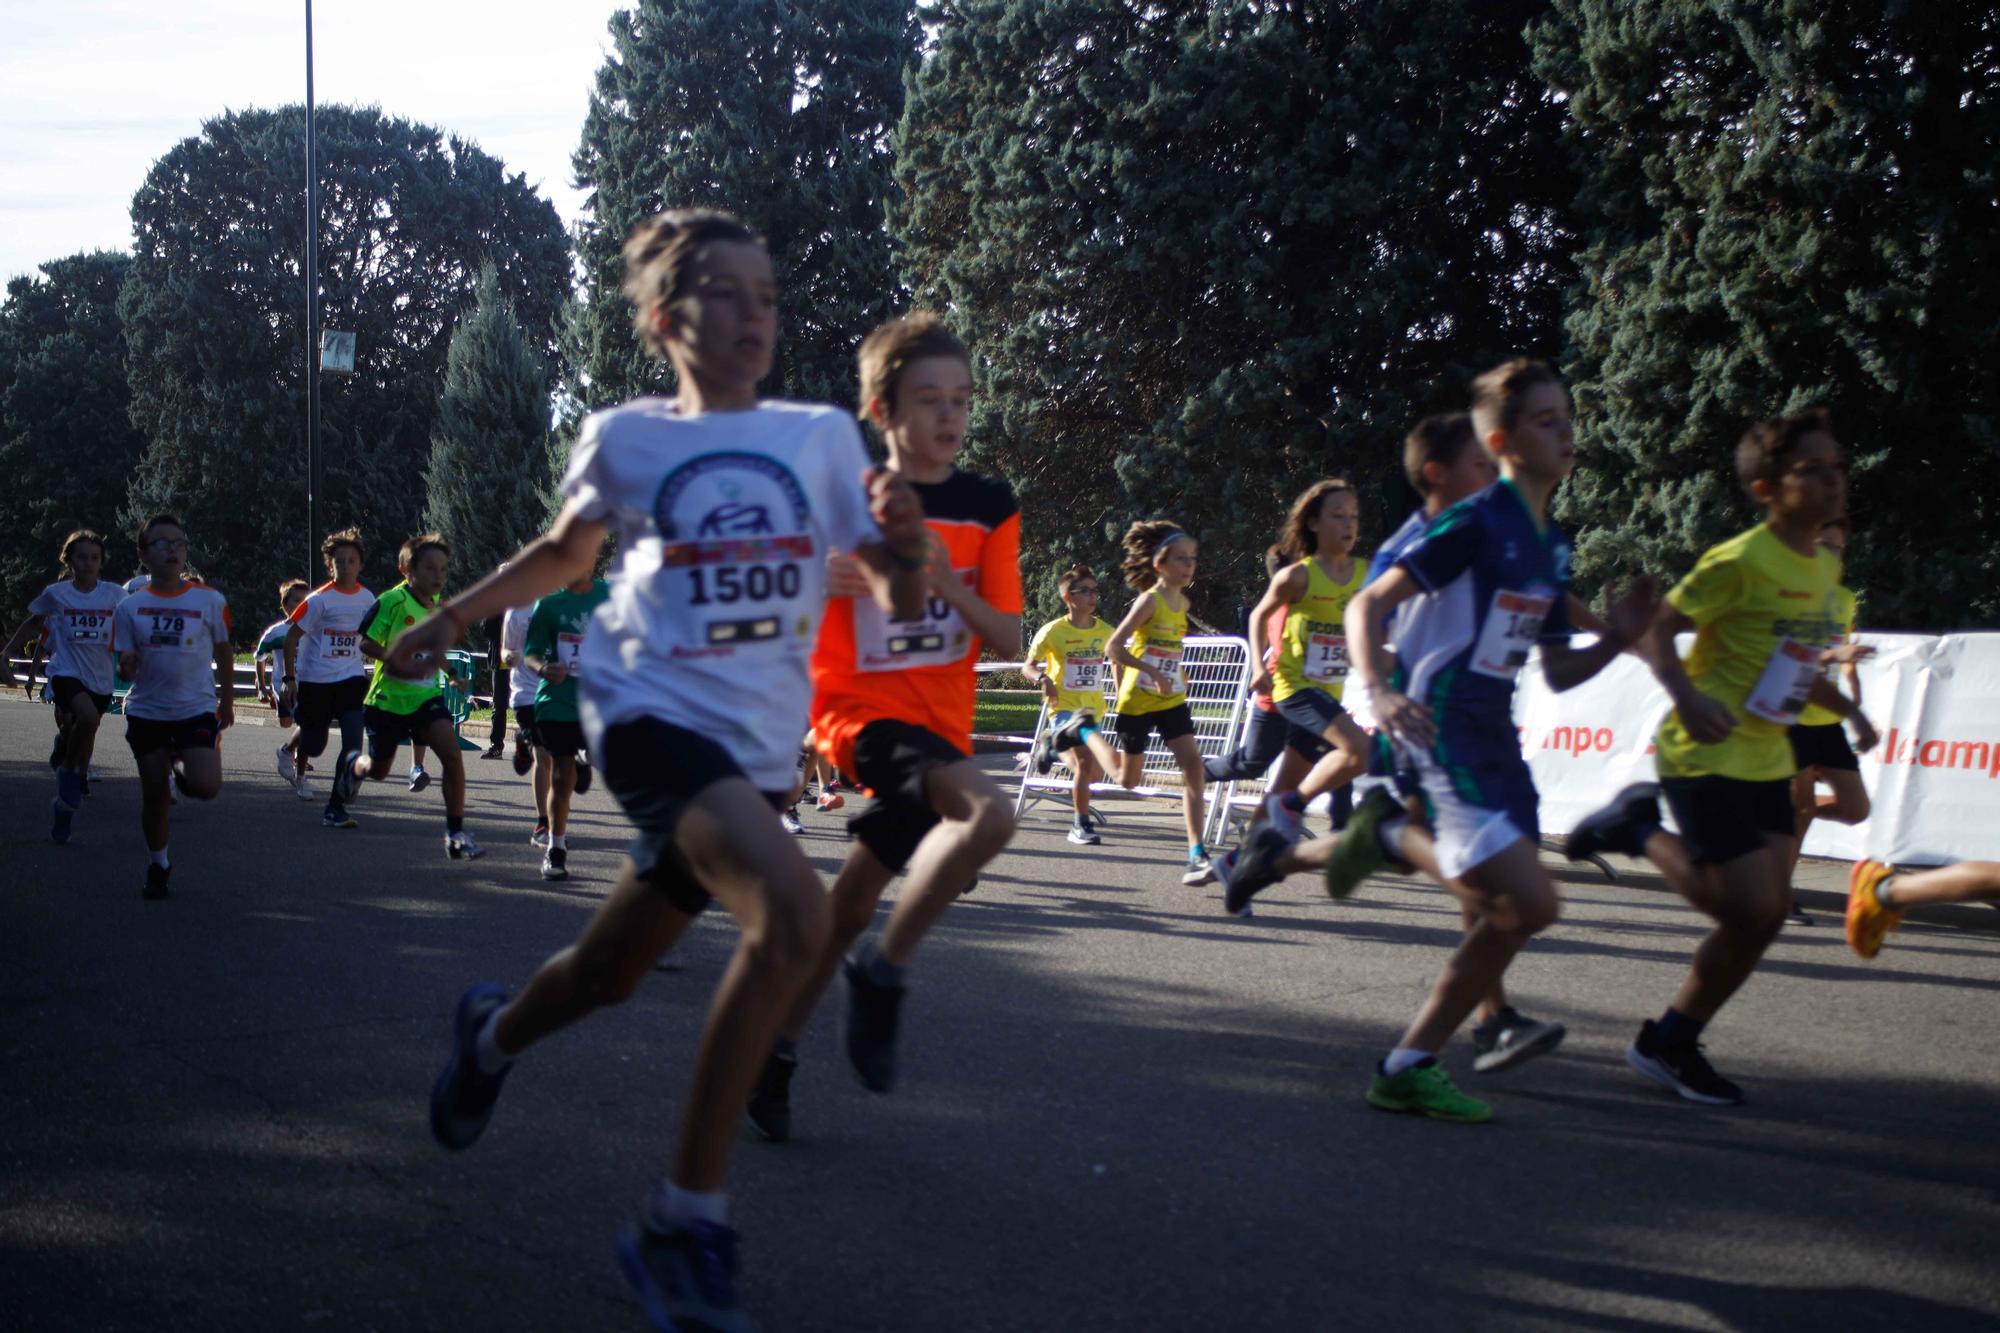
x=685, y=1277
x=335, y=816
x=59, y=827
x=463, y=1096
x=345, y=783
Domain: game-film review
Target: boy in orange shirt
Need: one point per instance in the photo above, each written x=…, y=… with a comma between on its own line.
x=892, y=706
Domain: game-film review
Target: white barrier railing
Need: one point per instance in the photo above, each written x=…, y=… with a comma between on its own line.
x=1934, y=781
x=1216, y=669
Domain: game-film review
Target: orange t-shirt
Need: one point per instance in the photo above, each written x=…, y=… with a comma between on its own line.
x=867, y=667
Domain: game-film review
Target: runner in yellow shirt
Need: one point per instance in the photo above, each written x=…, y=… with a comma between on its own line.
x=1305, y=681
x=1067, y=661
x=1152, y=695
x=1765, y=609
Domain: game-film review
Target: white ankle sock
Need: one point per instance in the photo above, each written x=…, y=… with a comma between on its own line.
x=1403, y=1057
x=1390, y=832
x=559, y=840
x=160, y=858
x=671, y=1206
x=486, y=1047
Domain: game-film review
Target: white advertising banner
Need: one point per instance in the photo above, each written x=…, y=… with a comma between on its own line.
x=1934, y=779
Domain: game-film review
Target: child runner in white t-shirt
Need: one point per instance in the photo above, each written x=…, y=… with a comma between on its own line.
x=172, y=638
x=75, y=618
x=695, y=689
x=326, y=676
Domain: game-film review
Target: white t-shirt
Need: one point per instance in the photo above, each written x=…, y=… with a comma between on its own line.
x=330, y=622
x=521, y=682
x=724, y=521
x=76, y=626
x=175, y=637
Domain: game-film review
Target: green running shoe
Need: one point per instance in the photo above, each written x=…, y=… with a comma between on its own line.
x=1427, y=1090
x=1359, y=852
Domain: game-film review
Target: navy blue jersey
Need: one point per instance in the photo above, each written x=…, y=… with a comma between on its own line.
x=1494, y=587
x=1405, y=537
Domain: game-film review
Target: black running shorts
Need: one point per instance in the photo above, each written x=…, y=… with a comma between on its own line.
x=65, y=689
x=1310, y=712
x=1823, y=747
x=524, y=722
x=1132, y=729
x=1722, y=818
x=387, y=730
x=893, y=760
x=559, y=737
x=145, y=734
x=321, y=703
x=654, y=770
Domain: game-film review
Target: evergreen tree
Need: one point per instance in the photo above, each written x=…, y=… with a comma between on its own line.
x=67, y=446
x=214, y=315
x=1208, y=252
x=779, y=111
x=1787, y=204
x=487, y=482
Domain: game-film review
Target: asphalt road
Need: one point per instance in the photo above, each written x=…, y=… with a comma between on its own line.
x=1120, y=1109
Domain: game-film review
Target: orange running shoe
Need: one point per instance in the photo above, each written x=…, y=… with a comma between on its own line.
x=1867, y=919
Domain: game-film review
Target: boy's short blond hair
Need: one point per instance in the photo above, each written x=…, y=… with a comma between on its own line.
x=890, y=349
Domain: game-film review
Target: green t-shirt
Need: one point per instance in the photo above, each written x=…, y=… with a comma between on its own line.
x=555, y=634
x=396, y=611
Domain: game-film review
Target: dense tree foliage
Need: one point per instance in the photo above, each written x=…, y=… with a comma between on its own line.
x=487, y=482
x=214, y=317
x=67, y=446
x=1207, y=253
x=1785, y=204
x=779, y=111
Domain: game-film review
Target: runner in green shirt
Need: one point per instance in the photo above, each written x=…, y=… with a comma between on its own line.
x=554, y=652
x=409, y=707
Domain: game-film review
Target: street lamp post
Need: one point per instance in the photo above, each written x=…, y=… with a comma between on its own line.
x=312, y=309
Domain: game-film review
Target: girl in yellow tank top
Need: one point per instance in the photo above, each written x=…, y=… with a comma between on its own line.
x=1305, y=681
x=1152, y=694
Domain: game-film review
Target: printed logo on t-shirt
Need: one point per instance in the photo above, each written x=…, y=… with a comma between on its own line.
x=736, y=532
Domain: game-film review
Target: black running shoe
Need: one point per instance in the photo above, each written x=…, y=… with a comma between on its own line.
x=1683, y=1068
x=1622, y=826
x=524, y=758
x=770, y=1106
x=345, y=784
x=555, y=863
x=497, y=750
x=1066, y=737
x=1510, y=1037
x=463, y=1096
x=869, y=1032
x=582, y=775
x=685, y=1277
x=420, y=778
x=156, y=882
x=1251, y=869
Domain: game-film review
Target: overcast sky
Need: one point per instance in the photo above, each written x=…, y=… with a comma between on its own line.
x=92, y=91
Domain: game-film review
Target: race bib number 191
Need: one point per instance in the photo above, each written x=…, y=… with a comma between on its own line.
x=1165, y=659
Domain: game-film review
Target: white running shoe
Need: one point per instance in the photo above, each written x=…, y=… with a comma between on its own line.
x=461, y=847
x=287, y=768
x=1199, y=871
x=790, y=819
x=302, y=788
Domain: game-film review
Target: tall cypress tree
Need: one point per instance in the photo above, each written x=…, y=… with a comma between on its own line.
x=67, y=448
x=1785, y=204
x=777, y=110
x=1209, y=252
x=487, y=482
